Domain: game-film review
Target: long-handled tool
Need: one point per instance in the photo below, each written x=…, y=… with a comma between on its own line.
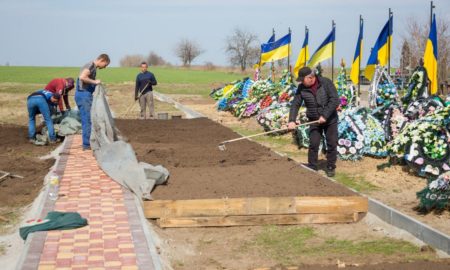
x=222, y=146
x=131, y=107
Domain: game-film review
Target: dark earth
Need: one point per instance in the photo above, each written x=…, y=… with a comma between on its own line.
x=20, y=157
x=188, y=148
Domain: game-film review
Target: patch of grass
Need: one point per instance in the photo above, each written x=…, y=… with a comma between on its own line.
x=288, y=245
x=385, y=246
x=358, y=183
x=2, y=249
x=282, y=243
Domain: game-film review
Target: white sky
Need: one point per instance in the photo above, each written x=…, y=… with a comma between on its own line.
x=70, y=33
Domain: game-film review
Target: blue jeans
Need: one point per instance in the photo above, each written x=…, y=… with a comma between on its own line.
x=36, y=105
x=84, y=103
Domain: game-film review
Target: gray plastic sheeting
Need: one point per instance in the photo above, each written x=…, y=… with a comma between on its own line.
x=116, y=157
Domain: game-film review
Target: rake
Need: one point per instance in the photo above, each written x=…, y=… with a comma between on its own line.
x=222, y=146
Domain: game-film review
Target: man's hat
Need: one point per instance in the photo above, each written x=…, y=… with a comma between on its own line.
x=70, y=83
x=303, y=72
x=57, y=96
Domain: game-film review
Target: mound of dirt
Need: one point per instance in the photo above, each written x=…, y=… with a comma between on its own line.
x=20, y=157
x=188, y=148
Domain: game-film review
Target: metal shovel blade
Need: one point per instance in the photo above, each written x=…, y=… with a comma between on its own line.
x=222, y=147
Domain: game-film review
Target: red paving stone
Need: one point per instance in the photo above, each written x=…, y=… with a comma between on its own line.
x=107, y=242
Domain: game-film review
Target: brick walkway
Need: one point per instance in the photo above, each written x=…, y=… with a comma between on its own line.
x=114, y=238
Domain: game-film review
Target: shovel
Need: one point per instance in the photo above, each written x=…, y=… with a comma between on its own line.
x=222, y=146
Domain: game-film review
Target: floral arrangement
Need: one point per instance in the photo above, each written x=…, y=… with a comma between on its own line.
x=274, y=117
x=416, y=86
x=422, y=107
x=345, y=91
x=423, y=143
x=350, y=135
x=436, y=195
x=386, y=93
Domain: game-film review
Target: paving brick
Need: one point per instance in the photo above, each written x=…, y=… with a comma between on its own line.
x=107, y=242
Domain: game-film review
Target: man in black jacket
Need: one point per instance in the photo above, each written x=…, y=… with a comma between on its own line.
x=321, y=100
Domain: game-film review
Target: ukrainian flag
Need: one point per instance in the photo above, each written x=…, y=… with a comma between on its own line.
x=276, y=50
x=431, y=56
x=381, y=51
x=324, y=51
x=302, y=56
x=271, y=39
x=354, y=74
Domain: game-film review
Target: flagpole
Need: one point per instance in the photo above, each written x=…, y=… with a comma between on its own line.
x=389, y=43
x=272, y=68
x=333, y=25
x=306, y=33
x=361, y=21
x=289, y=54
x=432, y=6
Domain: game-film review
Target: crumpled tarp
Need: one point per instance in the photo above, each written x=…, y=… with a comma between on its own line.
x=116, y=157
x=67, y=123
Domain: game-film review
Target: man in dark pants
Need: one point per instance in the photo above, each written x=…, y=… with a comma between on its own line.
x=321, y=100
x=144, y=91
x=41, y=102
x=85, y=88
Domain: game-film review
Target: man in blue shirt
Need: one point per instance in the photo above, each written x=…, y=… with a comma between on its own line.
x=86, y=84
x=144, y=91
x=42, y=102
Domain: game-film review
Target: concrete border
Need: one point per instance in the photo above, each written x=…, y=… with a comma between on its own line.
x=418, y=229
x=421, y=231
x=190, y=113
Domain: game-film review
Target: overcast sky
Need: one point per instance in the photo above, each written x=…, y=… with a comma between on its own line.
x=70, y=33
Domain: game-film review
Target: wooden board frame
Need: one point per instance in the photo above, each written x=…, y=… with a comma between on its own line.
x=256, y=211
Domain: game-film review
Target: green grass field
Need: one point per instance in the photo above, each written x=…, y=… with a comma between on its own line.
x=114, y=74
x=171, y=80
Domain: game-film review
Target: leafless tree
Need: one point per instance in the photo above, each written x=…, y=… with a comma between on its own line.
x=155, y=60
x=134, y=60
x=241, y=49
x=417, y=36
x=405, y=58
x=187, y=50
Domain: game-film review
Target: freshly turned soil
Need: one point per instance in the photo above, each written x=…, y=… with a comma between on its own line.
x=188, y=148
x=20, y=157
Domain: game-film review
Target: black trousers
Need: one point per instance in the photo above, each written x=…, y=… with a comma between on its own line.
x=330, y=129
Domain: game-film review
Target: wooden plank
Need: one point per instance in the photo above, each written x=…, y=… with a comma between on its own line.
x=254, y=206
x=331, y=204
x=226, y=221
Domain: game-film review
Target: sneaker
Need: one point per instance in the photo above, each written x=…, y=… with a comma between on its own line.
x=32, y=140
x=312, y=167
x=52, y=142
x=331, y=172
x=86, y=148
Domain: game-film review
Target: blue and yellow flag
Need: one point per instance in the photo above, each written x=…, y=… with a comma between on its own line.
x=303, y=56
x=276, y=50
x=324, y=51
x=354, y=74
x=381, y=51
x=430, y=58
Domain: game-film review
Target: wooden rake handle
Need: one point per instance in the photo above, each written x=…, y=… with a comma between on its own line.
x=267, y=132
